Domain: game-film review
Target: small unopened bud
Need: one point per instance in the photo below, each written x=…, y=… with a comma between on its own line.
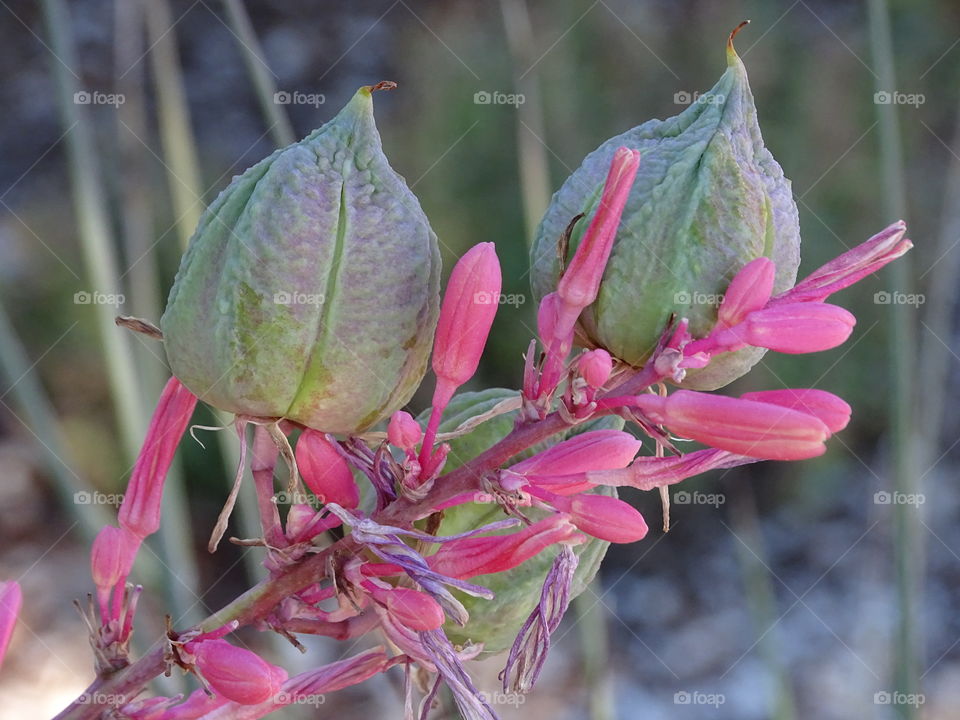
x=416, y=610
x=403, y=431
x=595, y=367
x=325, y=471
x=236, y=673
x=749, y=290
x=798, y=327
x=834, y=412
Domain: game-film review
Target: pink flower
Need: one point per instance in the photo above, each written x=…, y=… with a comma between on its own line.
x=798, y=327
x=412, y=608
x=403, y=431
x=833, y=411
x=601, y=516
x=140, y=509
x=325, y=471
x=595, y=367
x=466, y=558
x=235, y=673
x=756, y=429
x=111, y=560
x=853, y=265
x=11, y=600
x=749, y=290
x=593, y=450
x=466, y=315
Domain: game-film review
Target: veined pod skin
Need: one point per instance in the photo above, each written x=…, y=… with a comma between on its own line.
x=310, y=289
x=708, y=198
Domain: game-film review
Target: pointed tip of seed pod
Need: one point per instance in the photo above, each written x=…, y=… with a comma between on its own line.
x=382, y=85
x=731, y=52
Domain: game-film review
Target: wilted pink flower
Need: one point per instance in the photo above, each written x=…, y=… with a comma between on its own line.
x=749, y=290
x=746, y=427
x=235, y=673
x=111, y=560
x=595, y=367
x=403, y=431
x=473, y=556
x=466, y=315
x=325, y=471
x=853, y=265
x=140, y=510
x=11, y=600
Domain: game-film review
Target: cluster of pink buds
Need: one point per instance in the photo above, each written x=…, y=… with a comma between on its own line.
x=391, y=568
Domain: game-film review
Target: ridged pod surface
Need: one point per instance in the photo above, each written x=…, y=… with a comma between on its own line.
x=708, y=199
x=310, y=289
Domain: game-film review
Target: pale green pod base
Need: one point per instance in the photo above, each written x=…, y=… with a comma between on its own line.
x=310, y=290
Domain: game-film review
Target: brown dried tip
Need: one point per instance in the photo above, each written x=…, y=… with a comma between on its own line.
x=737, y=29
x=139, y=325
x=386, y=85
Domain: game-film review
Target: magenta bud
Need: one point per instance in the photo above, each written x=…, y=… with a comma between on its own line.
x=325, y=471
x=749, y=290
x=755, y=429
x=412, y=608
x=11, y=600
x=607, y=518
x=140, y=510
x=593, y=450
x=831, y=410
x=403, y=431
x=469, y=557
x=798, y=327
x=595, y=367
x=112, y=555
x=235, y=673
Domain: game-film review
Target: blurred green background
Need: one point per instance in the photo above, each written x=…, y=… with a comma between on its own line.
x=802, y=594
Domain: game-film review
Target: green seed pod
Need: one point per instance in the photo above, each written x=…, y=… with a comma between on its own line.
x=708, y=199
x=310, y=290
x=496, y=622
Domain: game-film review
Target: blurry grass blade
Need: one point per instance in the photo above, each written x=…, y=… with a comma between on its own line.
x=260, y=75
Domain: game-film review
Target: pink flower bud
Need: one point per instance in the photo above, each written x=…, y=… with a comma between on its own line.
x=581, y=281
x=325, y=471
x=853, y=265
x=416, y=610
x=595, y=367
x=749, y=290
x=797, y=327
x=236, y=673
x=604, y=517
x=11, y=600
x=755, y=429
x=111, y=560
x=469, y=557
x=832, y=411
x=594, y=450
x=140, y=509
x=403, y=431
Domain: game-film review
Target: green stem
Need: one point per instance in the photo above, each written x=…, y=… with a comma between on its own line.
x=908, y=549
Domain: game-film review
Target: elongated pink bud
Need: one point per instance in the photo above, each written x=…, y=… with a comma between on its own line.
x=604, y=517
x=749, y=290
x=235, y=673
x=466, y=315
x=594, y=450
x=325, y=471
x=745, y=427
x=111, y=560
x=595, y=367
x=843, y=271
x=140, y=510
x=581, y=281
x=11, y=600
x=798, y=327
x=416, y=610
x=469, y=557
x=469, y=306
x=403, y=431
x=832, y=411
